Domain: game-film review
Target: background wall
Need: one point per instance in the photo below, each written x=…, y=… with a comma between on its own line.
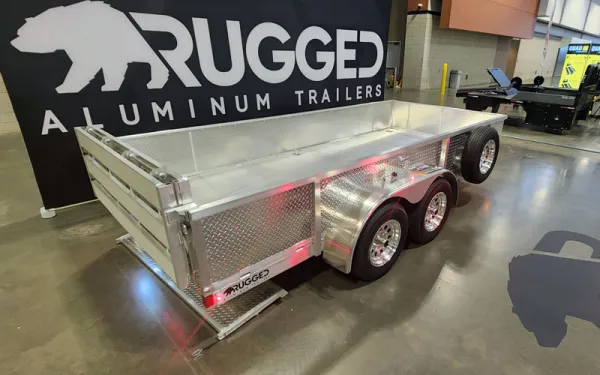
x=435, y=5
x=581, y=15
x=428, y=47
x=8, y=121
x=418, y=38
x=574, y=13
x=515, y=18
x=397, y=31
x=530, y=58
x=592, y=25
x=502, y=53
x=466, y=51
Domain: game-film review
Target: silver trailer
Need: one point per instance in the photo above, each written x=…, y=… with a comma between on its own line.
x=216, y=211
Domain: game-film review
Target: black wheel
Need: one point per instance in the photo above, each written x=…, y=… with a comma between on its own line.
x=480, y=154
x=516, y=82
x=496, y=108
x=380, y=243
x=429, y=216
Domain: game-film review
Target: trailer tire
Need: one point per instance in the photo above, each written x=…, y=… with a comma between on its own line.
x=370, y=262
x=437, y=201
x=474, y=168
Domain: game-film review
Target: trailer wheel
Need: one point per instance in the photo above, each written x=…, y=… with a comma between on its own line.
x=430, y=214
x=380, y=242
x=480, y=154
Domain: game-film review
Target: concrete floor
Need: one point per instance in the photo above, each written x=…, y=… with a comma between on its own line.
x=74, y=302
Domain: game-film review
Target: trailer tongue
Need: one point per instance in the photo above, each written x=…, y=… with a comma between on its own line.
x=217, y=211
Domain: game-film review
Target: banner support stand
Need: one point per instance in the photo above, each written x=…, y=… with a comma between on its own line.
x=47, y=214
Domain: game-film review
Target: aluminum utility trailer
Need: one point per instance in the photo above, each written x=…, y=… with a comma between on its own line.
x=216, y=211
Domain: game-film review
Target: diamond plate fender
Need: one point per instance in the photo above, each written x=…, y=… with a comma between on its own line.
x=350, y=204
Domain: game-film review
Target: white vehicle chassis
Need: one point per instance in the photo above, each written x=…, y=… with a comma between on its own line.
x=216, y=211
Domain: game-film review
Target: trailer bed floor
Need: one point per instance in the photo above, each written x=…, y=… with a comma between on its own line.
x=269, y=172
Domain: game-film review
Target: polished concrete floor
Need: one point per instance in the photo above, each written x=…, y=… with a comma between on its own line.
x=72, y=301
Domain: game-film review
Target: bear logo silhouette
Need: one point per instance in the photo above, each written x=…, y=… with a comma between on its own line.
x=95, y=37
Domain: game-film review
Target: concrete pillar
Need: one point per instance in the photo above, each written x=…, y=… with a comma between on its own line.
x=502, y=52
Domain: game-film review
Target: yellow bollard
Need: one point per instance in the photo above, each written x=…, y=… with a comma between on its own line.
x=444, y=76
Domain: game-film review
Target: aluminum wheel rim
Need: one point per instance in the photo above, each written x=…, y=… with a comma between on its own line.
x=436, y=210
x=385, y=243
x=487, y=157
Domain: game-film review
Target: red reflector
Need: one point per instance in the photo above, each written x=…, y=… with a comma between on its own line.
x=209, y=301
x=212, y=300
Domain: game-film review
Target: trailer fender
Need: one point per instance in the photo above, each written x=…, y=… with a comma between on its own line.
x=453, y=180
x=352, y=213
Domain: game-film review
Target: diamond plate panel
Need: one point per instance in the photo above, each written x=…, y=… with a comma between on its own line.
x=245, y=235
x=348, y=190
x=224, y=315
x=455, y=149
x=229, y=312
x=429, y=154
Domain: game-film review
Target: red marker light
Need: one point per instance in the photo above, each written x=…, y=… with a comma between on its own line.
x=208, y=301
x=299, y=256
x=212, y=300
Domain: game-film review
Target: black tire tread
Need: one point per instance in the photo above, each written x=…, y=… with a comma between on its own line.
x=417, y=232
x=472, y=153
x=361, y=265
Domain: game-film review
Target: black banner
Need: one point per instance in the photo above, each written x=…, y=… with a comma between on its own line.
x=135, y=66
